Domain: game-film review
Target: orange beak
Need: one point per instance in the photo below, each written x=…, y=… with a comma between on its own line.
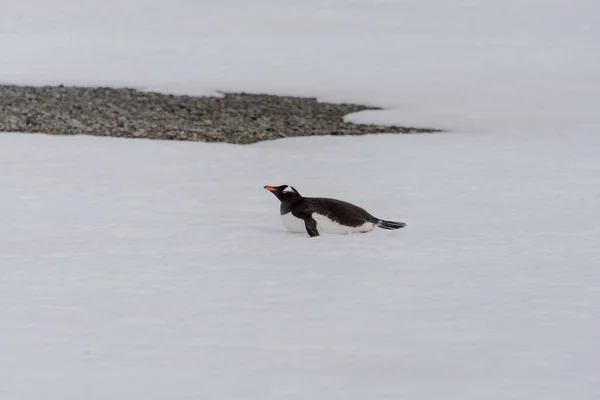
x=271, y=188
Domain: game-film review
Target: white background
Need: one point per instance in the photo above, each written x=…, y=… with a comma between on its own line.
x=135, y=269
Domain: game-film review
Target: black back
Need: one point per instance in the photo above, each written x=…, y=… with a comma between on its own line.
x=337, y=210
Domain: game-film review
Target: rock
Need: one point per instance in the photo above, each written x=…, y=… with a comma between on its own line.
x=234, y=118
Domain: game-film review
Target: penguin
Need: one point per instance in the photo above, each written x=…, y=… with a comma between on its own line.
x=316, y=215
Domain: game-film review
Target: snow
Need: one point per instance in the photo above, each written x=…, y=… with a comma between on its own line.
x=465, y=66
x=145, y=269
x=135, y=269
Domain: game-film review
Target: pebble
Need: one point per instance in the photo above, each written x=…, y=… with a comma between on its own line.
x=239, y=118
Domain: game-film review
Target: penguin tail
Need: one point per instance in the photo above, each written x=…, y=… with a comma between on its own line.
x=390, y=224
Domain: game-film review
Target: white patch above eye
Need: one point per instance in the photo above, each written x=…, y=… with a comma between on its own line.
x=289, y=189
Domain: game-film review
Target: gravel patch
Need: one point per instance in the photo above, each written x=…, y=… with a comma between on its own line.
x=234, y=118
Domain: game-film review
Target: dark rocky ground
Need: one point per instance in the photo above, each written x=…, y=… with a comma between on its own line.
x=235, y=118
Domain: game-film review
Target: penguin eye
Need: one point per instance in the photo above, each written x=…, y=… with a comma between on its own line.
x=288, y=189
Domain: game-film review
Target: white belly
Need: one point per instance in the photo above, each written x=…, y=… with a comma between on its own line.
x=324, y=225
x=293, y=224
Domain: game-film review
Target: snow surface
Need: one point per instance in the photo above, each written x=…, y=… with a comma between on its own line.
x=135, y=269
x=157, y=270
x=463, y=65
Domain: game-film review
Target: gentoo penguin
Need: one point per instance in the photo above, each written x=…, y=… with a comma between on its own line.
x=316, y=215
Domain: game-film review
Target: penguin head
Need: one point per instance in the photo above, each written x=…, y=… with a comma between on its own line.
x=284, y=192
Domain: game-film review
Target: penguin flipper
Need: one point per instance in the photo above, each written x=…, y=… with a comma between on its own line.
x=311, y=227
